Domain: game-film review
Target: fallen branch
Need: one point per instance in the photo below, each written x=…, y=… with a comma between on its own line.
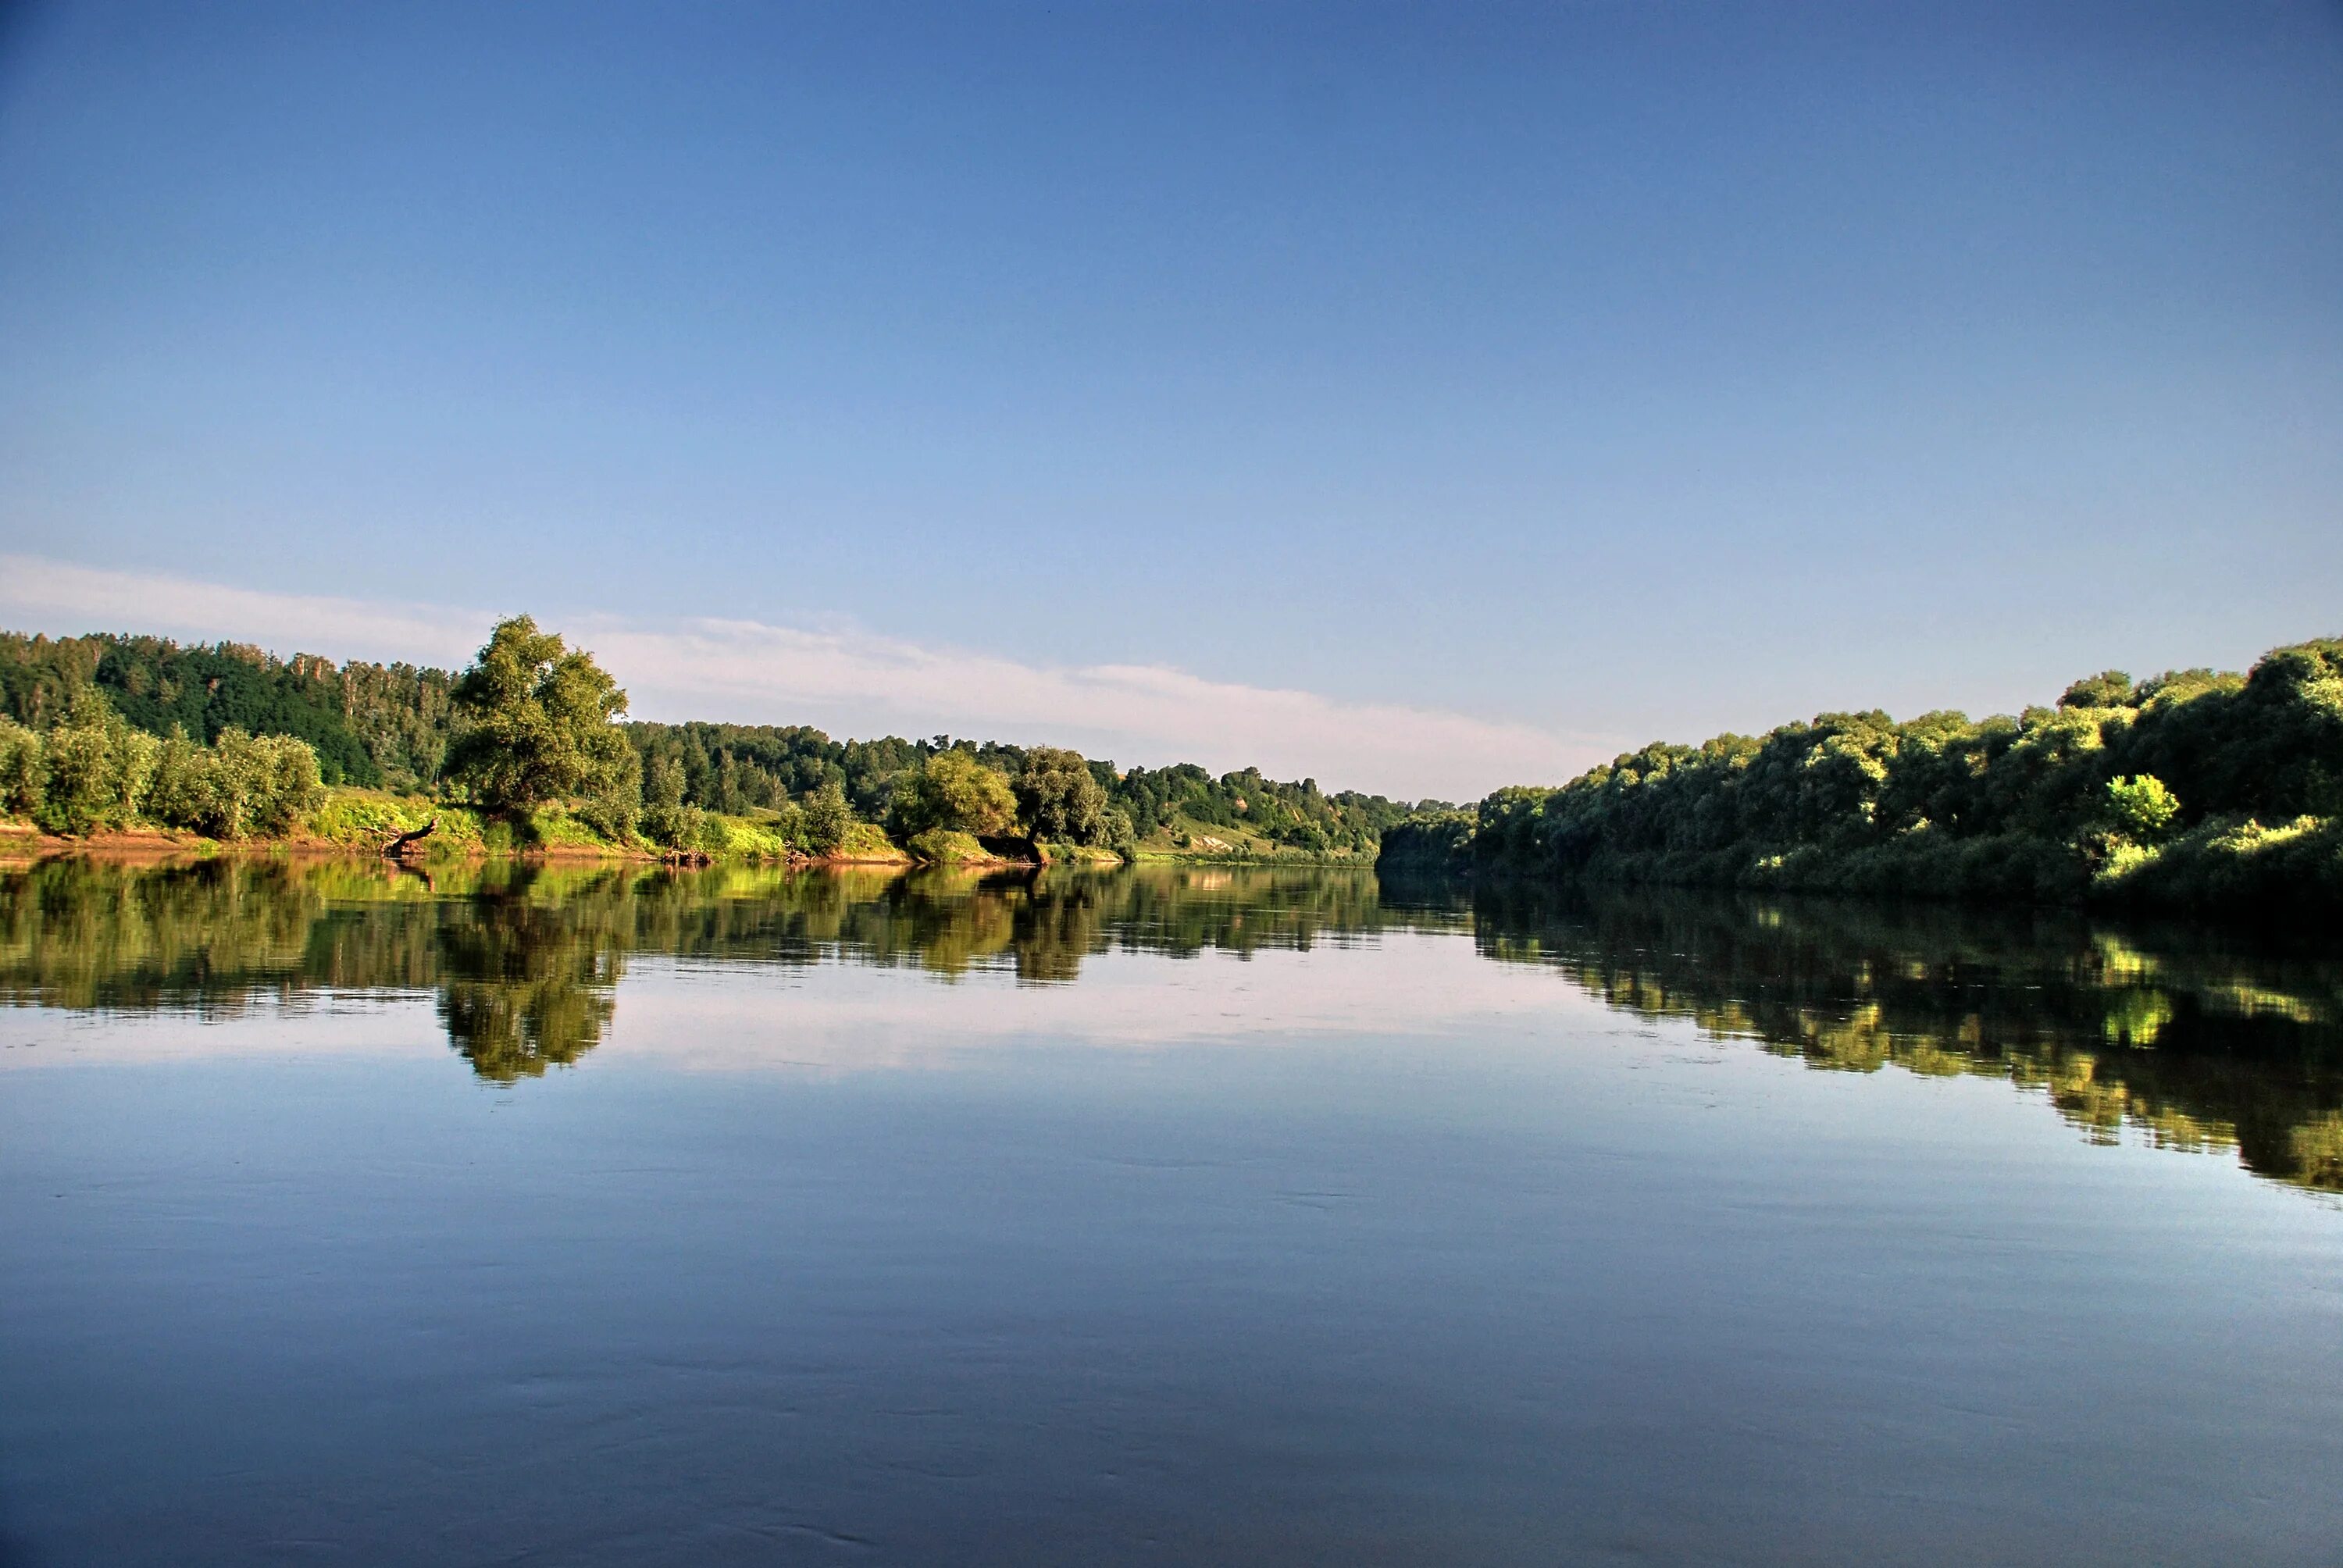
x=397, y=847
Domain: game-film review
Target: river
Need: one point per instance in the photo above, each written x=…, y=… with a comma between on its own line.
x=1172, y=1215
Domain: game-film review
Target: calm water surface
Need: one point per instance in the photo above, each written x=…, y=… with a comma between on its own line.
x=1156, y=1217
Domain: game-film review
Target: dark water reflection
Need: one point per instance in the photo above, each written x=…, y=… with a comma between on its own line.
x=525, y=960
x=2198, y=1039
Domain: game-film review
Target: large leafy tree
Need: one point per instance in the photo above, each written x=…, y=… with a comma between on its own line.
x=1059, y=797
x=956, y=793
x=536, y=721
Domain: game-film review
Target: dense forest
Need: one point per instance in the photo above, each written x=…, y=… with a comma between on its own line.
x=2189, y=789
x=736, y=767
x=397, y=728
x=369, y=724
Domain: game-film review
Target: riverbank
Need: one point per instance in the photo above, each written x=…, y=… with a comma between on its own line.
x=2230, y=867
x=353, y=821
x=364, y=823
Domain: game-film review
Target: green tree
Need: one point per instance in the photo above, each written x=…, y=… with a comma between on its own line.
x=667, y=820
x=538, y=722
x=827, y=819
x=24, y=773
x=98, y=768
x=190, y=789
x=2143, y=807
x=2108, y=689
x=239, y=786
x=1057, y=797
x=1117, y=833
x=278, y=777
x=615, y=802
x=954, y=793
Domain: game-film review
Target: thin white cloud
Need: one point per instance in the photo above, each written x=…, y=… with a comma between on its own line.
x=854, y=683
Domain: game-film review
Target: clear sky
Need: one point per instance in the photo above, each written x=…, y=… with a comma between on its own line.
x=1427, y=397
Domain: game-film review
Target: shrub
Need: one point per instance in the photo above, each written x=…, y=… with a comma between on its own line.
x=1118, y=833
x=191, y=790
x=667, y=820
x=828, y=819
x=616, y=803
x=24, y=773
x=281, y=780
x=98, y=768
x=240, y=786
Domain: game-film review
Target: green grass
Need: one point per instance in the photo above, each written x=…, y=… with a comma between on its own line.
x=1080, y=855
x=869, y=841
x=743, y=839
x=937, y=847
x=1186, y=840
x=361, y=820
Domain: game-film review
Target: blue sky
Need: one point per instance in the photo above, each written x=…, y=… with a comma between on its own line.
x=1513, y=384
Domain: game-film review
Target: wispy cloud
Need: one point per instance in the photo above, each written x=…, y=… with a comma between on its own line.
x=854, y=683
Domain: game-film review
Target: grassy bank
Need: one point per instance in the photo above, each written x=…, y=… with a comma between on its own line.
x=362, y=821
x=1184, y=840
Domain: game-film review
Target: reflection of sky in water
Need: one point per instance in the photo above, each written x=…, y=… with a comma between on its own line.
x=845, y=1014
x=1379, y=1250
x=2189, y=1040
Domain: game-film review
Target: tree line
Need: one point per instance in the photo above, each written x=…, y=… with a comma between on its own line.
x=533, y=721
x=91, y=769
x=2193, y=788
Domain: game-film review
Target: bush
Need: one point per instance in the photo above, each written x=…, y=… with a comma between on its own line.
x=615, y=804
x=191, y=790
x=828, y=819
x=24, y=773
x=241, y=785
x=98, y=768
x=1118, y=834
x=2237, y=867
x=667, y=820
x=280, y=779
x=2052, y=805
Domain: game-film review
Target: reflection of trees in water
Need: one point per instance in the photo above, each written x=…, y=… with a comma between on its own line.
x=2190, y=1039
x=2169, y=1031
x=1039, y=927
x=528, y=980
x=209, y=936
x=524, y=961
